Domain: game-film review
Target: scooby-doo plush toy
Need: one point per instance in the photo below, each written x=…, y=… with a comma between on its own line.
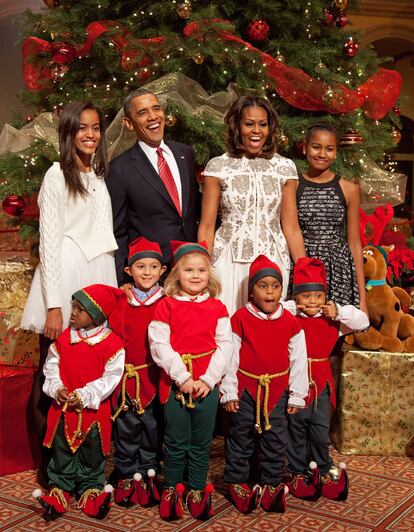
x=391, y=329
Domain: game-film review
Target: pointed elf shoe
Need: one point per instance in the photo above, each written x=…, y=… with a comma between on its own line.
x=54, y=504
x=244, y=498
x=199, y=503
x=147, y=493
x=335, y=483
x=306, y=487
x=125, y=493
x=96, y=503
x=273, y=498
x=171, y=505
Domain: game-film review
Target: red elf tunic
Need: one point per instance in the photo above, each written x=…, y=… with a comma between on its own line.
x=264, y=350
x=321, y=335
x=141, y=376
x=193, y=328
x=81, y=361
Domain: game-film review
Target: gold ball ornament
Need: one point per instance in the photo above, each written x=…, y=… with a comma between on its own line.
x=198, y=58
x=395, y=135
x=341, y=4
x=184, y=10
x=280, y=58
x=170, y=120
x=283, y=140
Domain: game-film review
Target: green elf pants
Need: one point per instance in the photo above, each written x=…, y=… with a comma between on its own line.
x=187, y=439
x=79, y=471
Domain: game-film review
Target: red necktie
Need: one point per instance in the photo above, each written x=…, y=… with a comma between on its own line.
x=168, y=180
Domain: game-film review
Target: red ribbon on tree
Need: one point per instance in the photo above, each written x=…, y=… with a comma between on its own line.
x=376, y=96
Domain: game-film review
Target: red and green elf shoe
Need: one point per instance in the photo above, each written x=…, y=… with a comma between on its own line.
x=273, y=498
x=306, y=487
x=199, y=503
x=171, y=505
x=335, y=483
x=96, y=503
x=244, y=498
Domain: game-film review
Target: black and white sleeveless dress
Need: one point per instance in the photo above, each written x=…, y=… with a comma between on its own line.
x=322, y=218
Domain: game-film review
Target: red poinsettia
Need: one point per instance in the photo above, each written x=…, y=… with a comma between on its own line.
x=401, y=267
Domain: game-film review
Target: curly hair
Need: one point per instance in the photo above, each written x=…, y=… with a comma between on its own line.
x=233, y=118
x=172, y=284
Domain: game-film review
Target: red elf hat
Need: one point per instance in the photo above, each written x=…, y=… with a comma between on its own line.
x=309, y=275
x=263, y=267
x=99, y=300
x=179, y=249
x=141, y=248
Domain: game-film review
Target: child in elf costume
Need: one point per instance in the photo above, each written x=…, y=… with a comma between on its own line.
x=267, y=379
x=135, y=410
x=190, y=339
x=322, y=322
x=83, y=367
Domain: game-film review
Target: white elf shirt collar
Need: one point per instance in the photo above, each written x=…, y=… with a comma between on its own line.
x=91, y=336
x=199, y=298
x=135, y=302
x=262, y=315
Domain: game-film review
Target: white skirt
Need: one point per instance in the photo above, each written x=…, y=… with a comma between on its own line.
x=234, y=277
x=77, y=273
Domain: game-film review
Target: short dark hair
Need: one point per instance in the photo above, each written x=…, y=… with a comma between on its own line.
x=128, y=99
x=321, y=127
x=69, y=122
x=233, y=117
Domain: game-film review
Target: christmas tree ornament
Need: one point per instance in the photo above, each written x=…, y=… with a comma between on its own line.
x=63, y=53
x=283, y=140
x=395, y=135
x=320, y=67
x=258, y=30
x=350, y=47
x=170, y=120
x=396, y=110
x=51, y=3
x=58, y=71
x=328, y=18
x=198, y=58
x=279, y=57
x=13, y=205
x=184, y=10
x=350, y=138
x=300, y=147
x=341, y=4
x=341, y=20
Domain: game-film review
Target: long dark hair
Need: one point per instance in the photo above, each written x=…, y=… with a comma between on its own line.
x=321, y=127
x=233, y=117
x=68, y=127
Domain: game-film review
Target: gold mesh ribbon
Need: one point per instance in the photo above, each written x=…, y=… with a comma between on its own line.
x=263, y=382
x=130, y=372
x=188, y=358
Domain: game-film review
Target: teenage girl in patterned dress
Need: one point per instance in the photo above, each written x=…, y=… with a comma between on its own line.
x=328, y=211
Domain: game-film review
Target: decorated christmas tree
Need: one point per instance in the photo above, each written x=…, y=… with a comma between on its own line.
x=198, y=56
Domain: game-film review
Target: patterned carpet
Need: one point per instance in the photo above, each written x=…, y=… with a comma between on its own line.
x=381, y=498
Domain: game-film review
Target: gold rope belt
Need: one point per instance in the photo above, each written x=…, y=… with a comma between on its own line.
x=130, y=372
x=311, y=381
x=263, y=382
x=188, y=358
x=78, y=432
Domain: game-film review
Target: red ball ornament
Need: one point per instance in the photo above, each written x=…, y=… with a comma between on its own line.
x=300, y=148
x=350, y=47
x=396, y=110
x=63, y=53
x=13, y=205
x=329, y=17
x=51, y=3
x=258, y=30
x=341, y=20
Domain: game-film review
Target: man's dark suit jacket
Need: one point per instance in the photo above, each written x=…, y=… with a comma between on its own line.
x=141, y=205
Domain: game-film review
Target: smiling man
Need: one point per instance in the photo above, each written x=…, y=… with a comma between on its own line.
x=152, y=185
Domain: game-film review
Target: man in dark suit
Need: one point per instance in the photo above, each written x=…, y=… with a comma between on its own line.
x=152, y=185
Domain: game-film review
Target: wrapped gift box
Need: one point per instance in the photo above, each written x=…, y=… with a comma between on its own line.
x=17, y=347
x=376, y=404
x=16, y=433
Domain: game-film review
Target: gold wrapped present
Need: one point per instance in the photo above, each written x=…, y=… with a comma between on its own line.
x=376, y=403
x=17, y=347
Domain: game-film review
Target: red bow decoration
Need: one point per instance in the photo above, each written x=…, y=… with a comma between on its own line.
x=376, y=96
x=371, y=226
